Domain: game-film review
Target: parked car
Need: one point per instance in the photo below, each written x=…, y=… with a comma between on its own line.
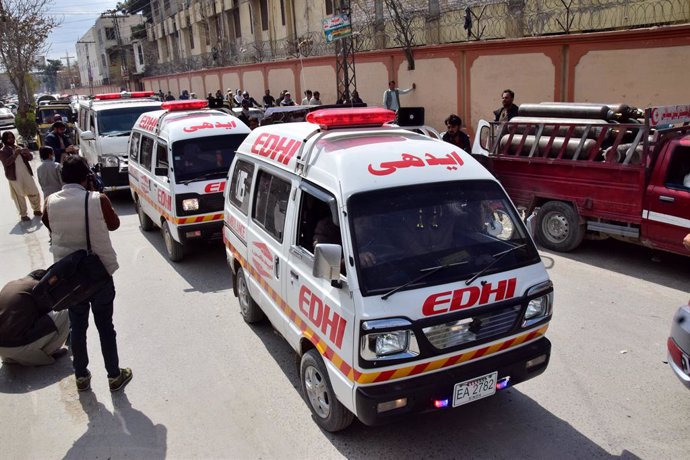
x=679, y=345
x=6, y=117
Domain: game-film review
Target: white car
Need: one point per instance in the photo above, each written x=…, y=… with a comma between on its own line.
x=6, y=117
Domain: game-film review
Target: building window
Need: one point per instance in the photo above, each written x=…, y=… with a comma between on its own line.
x=236, y=22
x=104, y=62
x=207, y=32
x=140, y=53
x=190, y=31
x=109, y=33
x=282, y=11
x=251, y=20
x=166, y=5
x=155, y=8
x=329, y=7
x=263, y=5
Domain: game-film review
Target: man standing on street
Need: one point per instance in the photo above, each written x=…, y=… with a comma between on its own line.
x=60, y=143
x=391, y=97
x=64, y=217
x=30, y=334
x=508, y=110
x=20, y=176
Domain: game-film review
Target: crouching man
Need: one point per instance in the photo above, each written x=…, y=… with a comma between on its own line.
x=30, y=334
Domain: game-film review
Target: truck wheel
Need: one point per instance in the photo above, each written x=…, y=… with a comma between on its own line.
x=145, y=221
x=327, y=411
x=175, y=249
x=250, y=310
x=559, y=227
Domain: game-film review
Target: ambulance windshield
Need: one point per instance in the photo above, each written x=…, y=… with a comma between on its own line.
x=424, y=235
x=204, y=158
x=120, y=121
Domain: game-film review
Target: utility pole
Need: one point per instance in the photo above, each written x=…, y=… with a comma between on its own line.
x=69, y=69
x=345, y=59
x=112, y=14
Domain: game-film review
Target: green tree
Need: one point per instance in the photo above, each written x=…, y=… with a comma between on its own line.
x=50, y=73
x=24, y=29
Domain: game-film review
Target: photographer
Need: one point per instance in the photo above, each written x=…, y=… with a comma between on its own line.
x=64, y=217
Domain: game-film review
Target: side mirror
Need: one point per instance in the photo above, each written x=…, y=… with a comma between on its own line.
x=327, y=261
x=87, y=136
x=484, y=137
x=161, y=171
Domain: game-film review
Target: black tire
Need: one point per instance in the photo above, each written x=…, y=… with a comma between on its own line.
x=145, y=221
x=559, y=227
x=250, y=310
x=175, y=250
x=326, y=410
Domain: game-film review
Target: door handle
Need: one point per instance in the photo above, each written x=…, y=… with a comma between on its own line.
x=293, y=276
x=666, y=199
x=276, y=267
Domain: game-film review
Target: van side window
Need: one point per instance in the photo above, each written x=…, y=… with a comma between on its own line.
x=270, y=204
x=146, y=152
x=240, y=185
x=134, y=147
x=162, y=156
x=315, y=223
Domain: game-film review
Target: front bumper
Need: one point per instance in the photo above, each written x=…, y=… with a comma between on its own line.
x=114, y=178
x=422, y=391
x=209, y=231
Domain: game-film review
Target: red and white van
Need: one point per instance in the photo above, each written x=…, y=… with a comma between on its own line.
x=394, y=264
x=178, y=164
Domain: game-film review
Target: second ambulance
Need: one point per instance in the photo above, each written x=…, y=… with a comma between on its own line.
x=178, y=163
x=394, y=264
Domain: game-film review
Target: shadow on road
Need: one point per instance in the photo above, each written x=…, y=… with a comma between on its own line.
x=664, y=268
x=124, y=433
x=508, y=425
x=122, y=202
x=15, y=379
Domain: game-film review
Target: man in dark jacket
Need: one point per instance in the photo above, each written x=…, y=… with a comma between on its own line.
x=58, y=140
x=30, y=334
x=508, y=110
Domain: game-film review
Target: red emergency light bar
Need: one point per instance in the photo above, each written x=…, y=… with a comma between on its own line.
x=123, y=95
x=348, y=118
x=176, y=106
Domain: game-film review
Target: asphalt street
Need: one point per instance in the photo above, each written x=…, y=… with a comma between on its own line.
x=206, y=385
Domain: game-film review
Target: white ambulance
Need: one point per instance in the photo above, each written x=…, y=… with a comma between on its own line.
x=178, y=165
x=393, y=263
x=103, y=127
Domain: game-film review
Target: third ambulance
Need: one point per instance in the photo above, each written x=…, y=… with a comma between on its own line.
x=178, y=163
x=394, y=265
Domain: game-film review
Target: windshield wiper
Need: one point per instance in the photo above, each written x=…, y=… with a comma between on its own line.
x=426, y=272
x=117, y=133
x=202, y=177
x=498, y=256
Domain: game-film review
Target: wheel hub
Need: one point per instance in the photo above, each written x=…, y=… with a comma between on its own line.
x=557, y=227
x=317, y=392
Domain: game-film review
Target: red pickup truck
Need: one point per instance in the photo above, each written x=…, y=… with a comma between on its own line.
x=596, y=169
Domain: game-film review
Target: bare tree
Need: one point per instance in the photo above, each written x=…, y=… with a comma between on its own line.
x=24, y=29
x=402, y=19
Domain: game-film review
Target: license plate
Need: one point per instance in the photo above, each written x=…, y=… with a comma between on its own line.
x=474, y=389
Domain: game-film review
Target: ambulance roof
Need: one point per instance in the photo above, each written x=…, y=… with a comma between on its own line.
x=359, y=159
x=107, y=104
x=190, y=124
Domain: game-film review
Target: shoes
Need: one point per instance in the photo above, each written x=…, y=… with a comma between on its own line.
x=84, y=383
x=26, y=218
x=38, y=213
x=119, y=382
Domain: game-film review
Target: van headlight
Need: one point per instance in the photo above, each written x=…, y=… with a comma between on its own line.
x=396, y=342
x=109, y=161
x=539, y=307
x=190, y=204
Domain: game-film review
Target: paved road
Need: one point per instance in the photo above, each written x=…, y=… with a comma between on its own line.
x=208, y=386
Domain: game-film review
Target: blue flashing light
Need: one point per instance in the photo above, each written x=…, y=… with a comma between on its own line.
x=440, y=403
x=503, y=383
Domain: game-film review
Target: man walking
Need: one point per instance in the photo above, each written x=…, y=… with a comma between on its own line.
x=20, y=176
x=508, y=110
x=30, y=334
x=64, y=217
x=391, y=97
